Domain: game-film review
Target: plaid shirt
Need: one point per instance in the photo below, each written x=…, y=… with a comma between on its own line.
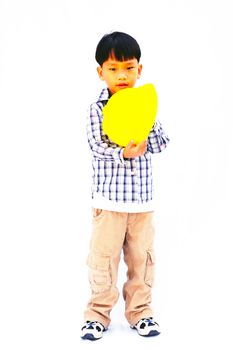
x=117, y=178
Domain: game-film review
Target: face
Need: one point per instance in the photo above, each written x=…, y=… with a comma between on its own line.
x=119, y=75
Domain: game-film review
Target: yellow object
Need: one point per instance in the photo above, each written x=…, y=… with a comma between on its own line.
x=130, y=114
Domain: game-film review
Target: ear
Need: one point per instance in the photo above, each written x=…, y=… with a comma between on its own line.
x=100, y=72
x=139, y=71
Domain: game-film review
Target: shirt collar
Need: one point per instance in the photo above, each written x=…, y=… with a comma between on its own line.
x=105, y=95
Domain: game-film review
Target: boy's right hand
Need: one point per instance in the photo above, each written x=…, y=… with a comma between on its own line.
x=132, y=150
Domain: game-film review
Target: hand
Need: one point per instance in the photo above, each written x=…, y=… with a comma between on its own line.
x=132, y=150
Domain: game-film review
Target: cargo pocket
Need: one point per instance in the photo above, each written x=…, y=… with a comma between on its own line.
x=149, y=273
x=99, y=272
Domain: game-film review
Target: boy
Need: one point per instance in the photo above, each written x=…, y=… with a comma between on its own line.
x=122, y=201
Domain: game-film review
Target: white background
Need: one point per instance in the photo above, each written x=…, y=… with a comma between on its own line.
x=47, y=81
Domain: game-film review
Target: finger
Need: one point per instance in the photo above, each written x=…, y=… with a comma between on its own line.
x=131, y=143
x=142, y=145
x=145, y=145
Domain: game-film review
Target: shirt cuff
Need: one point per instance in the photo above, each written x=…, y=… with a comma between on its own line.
x=118, y=156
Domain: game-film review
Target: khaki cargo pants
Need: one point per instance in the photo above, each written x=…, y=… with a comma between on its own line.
x=112, y=232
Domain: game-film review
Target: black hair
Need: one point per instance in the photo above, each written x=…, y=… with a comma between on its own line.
x=119, y=45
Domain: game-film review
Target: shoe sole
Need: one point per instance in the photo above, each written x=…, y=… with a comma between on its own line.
x=90, y=337
x=151, y=334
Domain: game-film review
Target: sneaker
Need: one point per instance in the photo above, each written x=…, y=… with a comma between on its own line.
x=147, y=327
x=92, y=330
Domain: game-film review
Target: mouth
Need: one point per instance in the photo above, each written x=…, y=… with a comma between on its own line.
x=122, y=85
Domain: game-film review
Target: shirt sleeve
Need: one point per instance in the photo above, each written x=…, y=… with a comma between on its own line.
x=157, y=139
x=100, y=145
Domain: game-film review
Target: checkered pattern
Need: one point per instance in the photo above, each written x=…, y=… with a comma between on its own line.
x=116, y=178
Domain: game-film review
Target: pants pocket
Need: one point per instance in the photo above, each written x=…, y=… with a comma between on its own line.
x=99, y=272
x=149, y=273
x=97, y=213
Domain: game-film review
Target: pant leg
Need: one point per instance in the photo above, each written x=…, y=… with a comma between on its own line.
x=139, y=257
x=105, y=249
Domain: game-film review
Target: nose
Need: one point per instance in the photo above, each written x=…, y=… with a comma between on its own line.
x=122, y=75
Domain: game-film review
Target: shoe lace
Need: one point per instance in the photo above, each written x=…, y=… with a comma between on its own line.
x=149, y=321
x=90, y=324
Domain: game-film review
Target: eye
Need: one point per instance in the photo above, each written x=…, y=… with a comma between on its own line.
x=112, y=69
x=130, y=68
